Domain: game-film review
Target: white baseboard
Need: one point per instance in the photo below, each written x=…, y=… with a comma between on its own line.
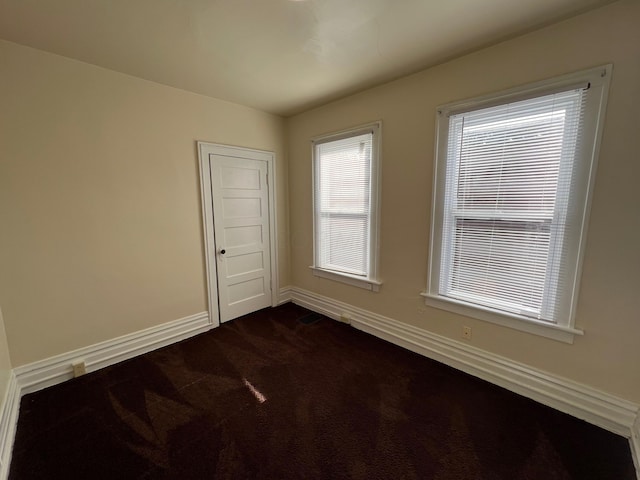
x=284, y=295
x=634, y=441
x=44, y=373
x=8, y=422
x=604, y=410
x=51, y=371
x=599, y=408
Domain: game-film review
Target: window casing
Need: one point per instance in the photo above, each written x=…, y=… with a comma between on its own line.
x=345, y=197
x=511, y=199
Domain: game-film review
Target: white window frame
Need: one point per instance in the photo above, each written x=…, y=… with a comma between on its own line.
x=564, y=329
x=370, y=281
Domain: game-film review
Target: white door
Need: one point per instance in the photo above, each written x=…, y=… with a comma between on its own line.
x=240, y=196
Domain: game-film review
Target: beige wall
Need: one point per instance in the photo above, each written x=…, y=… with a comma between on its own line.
x=101, y=231
x=608, y=356
x=5, y=362
x=100, y=200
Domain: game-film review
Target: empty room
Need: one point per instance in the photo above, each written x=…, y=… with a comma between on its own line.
x=309, y=239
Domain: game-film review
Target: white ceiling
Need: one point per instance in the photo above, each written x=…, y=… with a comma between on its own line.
x=281, y=56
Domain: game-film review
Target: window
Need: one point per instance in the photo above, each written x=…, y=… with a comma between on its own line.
x=511, y=197
x=345, y=206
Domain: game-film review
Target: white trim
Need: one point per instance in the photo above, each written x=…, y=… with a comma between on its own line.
x=273, y=229
x=9, y=409
x=204, y=150
x=563, y=83
x=51, y=371
x=284, y=295
x=543, y=329
x=350, y=132
x=634, y=442
x=355, y=281
x=599, y=408
x=209, y=239
x=372, y=283
x=598, y=79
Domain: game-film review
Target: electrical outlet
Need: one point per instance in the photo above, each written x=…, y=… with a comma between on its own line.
x=345, y=317
x=79, y=368
x=466, y=333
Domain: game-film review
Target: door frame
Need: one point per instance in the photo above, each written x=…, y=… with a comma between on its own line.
x=204, y=150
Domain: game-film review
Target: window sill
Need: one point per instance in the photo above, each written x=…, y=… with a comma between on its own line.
x=543, y=329
x=366, y=283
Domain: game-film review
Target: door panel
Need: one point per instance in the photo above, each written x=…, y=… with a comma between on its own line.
x=242, y=292
x=242, y=236
x=241, y=225
x=250, y=262
x=240, y=178
x=241, y=208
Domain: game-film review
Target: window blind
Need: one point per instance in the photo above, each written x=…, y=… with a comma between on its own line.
x=509, y=178
x=343, y=204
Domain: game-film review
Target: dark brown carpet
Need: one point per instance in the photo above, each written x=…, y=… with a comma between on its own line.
x=338, y=404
